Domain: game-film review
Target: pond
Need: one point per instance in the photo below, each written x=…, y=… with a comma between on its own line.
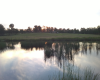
x=20, y=61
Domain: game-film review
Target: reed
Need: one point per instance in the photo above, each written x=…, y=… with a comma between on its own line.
x=49, y=53
x=72, y=73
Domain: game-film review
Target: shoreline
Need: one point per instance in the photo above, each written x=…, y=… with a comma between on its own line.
x=51, y=37
x=54, y=39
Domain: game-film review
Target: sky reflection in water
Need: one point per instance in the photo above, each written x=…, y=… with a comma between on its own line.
x=21, y=64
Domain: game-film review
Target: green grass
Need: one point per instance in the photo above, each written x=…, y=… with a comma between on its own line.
x=52, y=36
x=71, y=73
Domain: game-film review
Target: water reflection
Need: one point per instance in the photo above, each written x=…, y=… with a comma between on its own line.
x=62, y=51
x=27, y=63
x=21, y=64
x=76, y=53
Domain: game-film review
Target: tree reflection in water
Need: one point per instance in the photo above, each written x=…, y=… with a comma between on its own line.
x=61, y=52
x=57, y=52
x=11, y=45
x=65, y=51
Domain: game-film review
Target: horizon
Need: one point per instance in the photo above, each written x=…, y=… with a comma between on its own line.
x=49, y=26
x=53, y=13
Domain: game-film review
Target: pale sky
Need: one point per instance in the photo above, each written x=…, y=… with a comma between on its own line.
x=52, y=13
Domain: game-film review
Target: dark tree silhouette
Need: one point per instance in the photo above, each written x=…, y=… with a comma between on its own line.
x=39, y=28
x=55, y=29
x=11, y=26
x=8, y=31
x=2, y=29
x=98, y=29
x=21, y=31
x=15, y=31
x=48, y=29
x=29, y=29
x=83, y=30
x=35, y=28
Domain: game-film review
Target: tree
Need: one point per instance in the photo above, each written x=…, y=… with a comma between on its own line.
x=51, y=29
x=8, y=31
x=29, y=29
x=15, y=31
x=11, y=26
x=43, y=28
x=98, y=27
x=55, y=29
x=2, y=29
x=21, y=31
x=35, y=28
x=39, y=28
x=83, y=30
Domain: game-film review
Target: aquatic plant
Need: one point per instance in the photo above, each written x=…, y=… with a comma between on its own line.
x=49, y=53
x=49, y=43
x=2, y=45
x=71, y=73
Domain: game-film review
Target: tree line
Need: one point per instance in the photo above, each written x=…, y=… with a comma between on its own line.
x=45, y=29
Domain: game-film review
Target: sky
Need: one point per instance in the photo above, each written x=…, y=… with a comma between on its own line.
x=52, y=13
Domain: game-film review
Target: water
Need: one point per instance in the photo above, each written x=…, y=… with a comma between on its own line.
x=41, y=63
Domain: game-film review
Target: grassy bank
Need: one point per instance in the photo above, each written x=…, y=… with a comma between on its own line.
x=50, y=36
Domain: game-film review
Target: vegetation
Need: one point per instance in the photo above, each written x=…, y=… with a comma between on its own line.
x=2, y=45
x=43, y=37
x=64, y=51
x=36, y=44
x=51, y=36
x=31, y=44
x=46, y=29
x=49, y=33
x=11, y=26
x=2, y=29
x=71, y=73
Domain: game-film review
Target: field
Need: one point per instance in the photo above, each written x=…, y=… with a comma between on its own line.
x=51, y=36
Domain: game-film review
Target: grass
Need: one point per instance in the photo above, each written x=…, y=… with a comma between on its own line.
x=72, y=73
x=51, y=36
